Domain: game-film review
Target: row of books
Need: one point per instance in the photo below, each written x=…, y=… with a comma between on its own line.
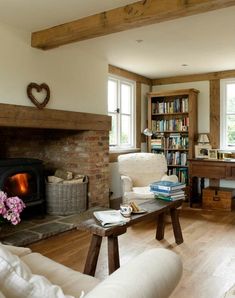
x=181, y=124
x=167, y=190
x=157, y=143
x=178, y=105
x=177, y=158
x=175, y=141
x=181, y=173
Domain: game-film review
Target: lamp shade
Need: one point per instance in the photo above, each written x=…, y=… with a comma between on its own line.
x=148, y=132
x=203, y=138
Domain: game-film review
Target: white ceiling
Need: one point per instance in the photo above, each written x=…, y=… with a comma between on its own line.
x=204, y=42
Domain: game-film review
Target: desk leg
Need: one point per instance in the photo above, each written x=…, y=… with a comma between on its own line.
x=113, y=254
x=202, y=186
x=193, y=190
x=176, y=225
x=160, y=226
x=93, y=254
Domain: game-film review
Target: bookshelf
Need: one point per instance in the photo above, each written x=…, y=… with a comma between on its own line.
x=172, y=116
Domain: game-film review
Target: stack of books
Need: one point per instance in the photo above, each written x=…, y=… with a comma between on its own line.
x=167, y=190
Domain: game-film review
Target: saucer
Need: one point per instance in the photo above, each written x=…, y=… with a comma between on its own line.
x=125, y=214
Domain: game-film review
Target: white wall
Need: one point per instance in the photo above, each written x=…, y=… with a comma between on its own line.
x=203, y=100
x=77, y=80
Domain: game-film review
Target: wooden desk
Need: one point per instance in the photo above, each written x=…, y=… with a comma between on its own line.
x=155, y=209
x=211, y=169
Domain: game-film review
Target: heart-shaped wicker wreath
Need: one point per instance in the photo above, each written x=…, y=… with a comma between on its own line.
x=39, y=88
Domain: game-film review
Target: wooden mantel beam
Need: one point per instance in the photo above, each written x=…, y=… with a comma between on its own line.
x=31, y=117
x=134, y=15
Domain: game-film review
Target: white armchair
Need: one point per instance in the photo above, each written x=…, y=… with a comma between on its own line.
x=138, y=170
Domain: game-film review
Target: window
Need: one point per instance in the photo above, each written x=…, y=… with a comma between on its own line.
x=227, y=116
x=121, y=106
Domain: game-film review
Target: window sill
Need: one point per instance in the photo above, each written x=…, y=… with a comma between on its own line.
x=114, y=153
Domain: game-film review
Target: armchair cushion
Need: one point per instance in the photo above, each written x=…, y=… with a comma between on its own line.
x=154, y=273
x=19, y=251
x=172, y=178
x=141, y=279
x=72, y=282
x=142, y=168
x=139, y=195
x=16, y=279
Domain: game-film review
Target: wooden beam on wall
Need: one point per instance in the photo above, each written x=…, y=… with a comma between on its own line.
x=215, y=113
x=195, y=77
x=22, y=116
x=214, y=120
x=129, y=75
x=127, y=17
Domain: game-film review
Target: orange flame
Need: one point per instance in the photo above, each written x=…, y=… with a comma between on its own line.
x=21, y=182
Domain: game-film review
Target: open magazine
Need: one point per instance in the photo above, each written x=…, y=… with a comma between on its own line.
x=109, y=218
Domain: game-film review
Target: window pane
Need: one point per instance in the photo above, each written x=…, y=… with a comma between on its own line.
x=112, y=96
x=231, y=130
x=113, y=132
x=125, y=99
x=231, y=98
x=125, y=129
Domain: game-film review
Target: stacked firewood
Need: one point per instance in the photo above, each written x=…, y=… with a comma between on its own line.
x=66, y=177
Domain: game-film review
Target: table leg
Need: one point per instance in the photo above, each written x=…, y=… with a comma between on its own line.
x=176, y=225
x=93, y=254
x=113, y=253
x=160, y=226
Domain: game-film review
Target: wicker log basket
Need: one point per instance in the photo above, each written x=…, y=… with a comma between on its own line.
x=66, y=199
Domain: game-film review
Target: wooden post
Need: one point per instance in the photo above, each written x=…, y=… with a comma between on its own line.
x=215, y=119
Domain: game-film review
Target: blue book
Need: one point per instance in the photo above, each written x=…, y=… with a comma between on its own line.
x=168, y=192
x=166, y=185
x=159, y=197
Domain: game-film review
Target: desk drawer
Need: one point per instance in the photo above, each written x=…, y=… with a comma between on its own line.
x=209, y=171
x=217, y=198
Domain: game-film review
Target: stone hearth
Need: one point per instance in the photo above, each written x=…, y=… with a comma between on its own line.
x=35, y=229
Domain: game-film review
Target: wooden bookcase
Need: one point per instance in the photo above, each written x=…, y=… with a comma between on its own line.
x=172, y=116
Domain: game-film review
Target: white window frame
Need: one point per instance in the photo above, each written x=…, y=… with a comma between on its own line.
x=223, y=114
x=121, y=80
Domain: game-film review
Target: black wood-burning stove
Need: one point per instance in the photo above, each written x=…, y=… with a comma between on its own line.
x=23, y=177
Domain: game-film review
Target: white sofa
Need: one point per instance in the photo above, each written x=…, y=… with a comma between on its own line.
x=138, y=170
x=152, y=274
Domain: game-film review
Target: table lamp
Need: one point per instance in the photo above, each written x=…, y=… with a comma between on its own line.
x=148, y=132
x=203, y=139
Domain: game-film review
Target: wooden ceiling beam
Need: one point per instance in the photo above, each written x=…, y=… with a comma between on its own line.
x=129, y=75
x=127, y=17
x=195, y=77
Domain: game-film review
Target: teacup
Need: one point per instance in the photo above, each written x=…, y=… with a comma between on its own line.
x=125, y=210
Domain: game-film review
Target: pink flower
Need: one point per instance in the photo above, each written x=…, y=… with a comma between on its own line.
x=10, y=208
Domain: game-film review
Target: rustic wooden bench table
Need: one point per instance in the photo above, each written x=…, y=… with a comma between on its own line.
x=155, y=209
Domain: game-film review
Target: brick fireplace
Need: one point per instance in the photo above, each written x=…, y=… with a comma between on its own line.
x=77, y=142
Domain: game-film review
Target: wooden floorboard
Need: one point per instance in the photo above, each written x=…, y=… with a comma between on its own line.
x=208, y=251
